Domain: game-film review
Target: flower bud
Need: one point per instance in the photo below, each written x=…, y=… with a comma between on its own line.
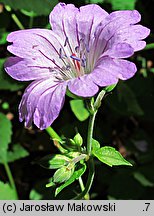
x=63, y=174
x=78, y=139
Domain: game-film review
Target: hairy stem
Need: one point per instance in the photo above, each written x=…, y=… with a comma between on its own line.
x=10, y=177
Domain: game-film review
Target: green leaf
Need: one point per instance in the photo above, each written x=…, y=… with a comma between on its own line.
x=7, y=83
x=54, y=161
x=79, y=171
x=5, y=136
x=78, y=139
x=6, y=192
x=40, y=7
x=94, y=1
x=17, y=153
x=3, y=36
x=110, y=156
x=79, y=110
x=95, y=145
x=122, y=5
x=143, y=180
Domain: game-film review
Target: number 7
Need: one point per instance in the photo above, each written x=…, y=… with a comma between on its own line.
x=148, y=204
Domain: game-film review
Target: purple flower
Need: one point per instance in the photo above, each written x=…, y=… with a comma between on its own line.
x=85, y=49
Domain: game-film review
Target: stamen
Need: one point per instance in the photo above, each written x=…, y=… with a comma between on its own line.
x=77, y=49
x=73, y=56
x=66, y=41
x=76, y=63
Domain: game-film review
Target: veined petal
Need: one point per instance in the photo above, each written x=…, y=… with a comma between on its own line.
x=25, y=69
x=88, y=18
x=83, y=86
x=65, y=24
x=108, y=71
x=76, y=24
x=39, y=45
x=31, y=97
x=119, y=50
x=133, y=36
x=49, y=106
x=117, y=28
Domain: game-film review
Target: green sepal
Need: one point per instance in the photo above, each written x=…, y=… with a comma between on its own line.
x=110, y=88
x=54, y=161
x=63, y=174
x=98, y=101
x=79, y=171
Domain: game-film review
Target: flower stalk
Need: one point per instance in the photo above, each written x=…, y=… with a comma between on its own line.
x=10, y=177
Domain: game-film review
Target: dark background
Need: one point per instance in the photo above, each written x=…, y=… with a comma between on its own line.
x=124, y=121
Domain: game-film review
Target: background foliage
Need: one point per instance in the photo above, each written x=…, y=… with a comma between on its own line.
x=125, y=121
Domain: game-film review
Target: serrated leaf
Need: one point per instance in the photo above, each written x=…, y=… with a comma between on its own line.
x=40, y=7
x=6, y=192
x=7, y=83
x=54, y=161
x=143, y=180
x=122, y=5
x=95, y=145
x=79, y=171
x=5, y=136
x=17, y=153
x=79, y=110
x=110, y=156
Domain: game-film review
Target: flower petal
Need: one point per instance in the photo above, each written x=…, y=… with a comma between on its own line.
x=133, y=36
x=76, y=24
x=108, y=71
x=65, y=25
x=83, y=86
x=31, y=98
x=38, y=45
x=88, y=18
x=25, y=70
x=119, y=50
x=117, y=28
x=49, y=106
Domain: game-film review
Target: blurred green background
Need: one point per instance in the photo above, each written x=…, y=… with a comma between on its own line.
x=124, y=121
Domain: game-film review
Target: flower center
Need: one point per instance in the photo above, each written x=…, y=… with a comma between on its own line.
x=76, y=62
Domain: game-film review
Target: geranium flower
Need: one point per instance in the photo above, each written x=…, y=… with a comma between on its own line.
x=84, y=50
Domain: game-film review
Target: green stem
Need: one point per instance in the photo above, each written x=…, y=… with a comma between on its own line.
x=10, y=177
x=53, y=133
x=90, y=161
x=149, y=46
x=56, y=139
x=14, y=17
x=90, y=132
x=31, y=19
x=86, y=197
